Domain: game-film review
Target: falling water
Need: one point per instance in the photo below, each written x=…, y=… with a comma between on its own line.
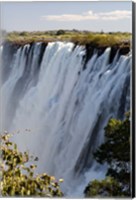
x=60, y=107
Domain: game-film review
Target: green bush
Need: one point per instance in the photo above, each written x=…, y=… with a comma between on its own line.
x=115, y=152
x=60, y=32
x=18, y=177
x=108, y=187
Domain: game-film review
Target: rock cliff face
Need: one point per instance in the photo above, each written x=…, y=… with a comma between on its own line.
x=90, y=49
x=123, y=48
x=11, y=47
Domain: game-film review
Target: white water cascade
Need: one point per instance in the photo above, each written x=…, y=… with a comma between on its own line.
x=60, y=109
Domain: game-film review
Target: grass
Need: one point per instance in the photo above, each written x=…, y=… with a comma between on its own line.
x=79, y=37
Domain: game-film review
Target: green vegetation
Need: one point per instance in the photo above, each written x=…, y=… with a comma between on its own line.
x=115, y=152
x=108, y=187
x=79, y=37
x=18, y=177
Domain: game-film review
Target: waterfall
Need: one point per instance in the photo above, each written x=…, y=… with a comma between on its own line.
x=61, y=107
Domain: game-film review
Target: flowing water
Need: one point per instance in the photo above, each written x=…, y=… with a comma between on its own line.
x=60, y=108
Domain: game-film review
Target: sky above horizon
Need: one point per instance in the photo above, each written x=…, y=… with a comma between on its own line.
x=43, y=16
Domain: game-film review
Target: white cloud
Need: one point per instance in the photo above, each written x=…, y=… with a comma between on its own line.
x=90, y=15
x=116, y=15
x=69, y=17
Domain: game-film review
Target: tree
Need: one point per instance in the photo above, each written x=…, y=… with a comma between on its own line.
x=18, y=177
x=116, y=153
x=108, y=187
x=60, y=32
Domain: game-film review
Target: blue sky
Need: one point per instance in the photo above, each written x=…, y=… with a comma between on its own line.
x=42, y=16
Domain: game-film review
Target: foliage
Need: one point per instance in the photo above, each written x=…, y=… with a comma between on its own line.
x=116, y=153
x=108, y=187
x=60, y=32
x=80, y=37
x=18, y=177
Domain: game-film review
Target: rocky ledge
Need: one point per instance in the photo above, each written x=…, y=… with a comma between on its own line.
x=123, y=48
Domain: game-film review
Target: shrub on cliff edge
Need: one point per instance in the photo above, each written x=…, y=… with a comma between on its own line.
x=18, y=177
